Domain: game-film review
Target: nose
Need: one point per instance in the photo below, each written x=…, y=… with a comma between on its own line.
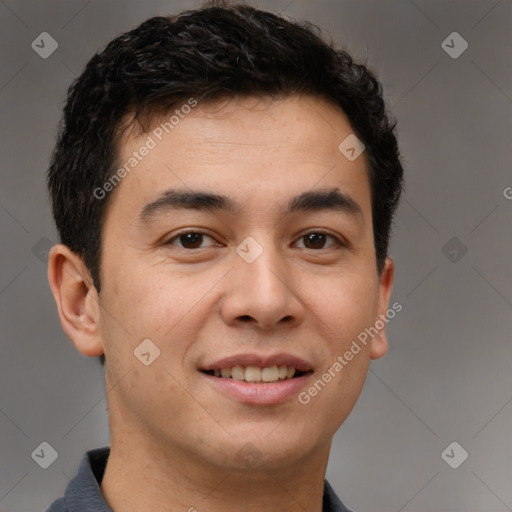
x=262, y=292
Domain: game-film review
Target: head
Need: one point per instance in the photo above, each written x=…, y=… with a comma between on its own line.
x=236, y=102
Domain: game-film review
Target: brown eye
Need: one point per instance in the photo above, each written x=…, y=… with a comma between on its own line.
x=316, y=240
x=189, y=240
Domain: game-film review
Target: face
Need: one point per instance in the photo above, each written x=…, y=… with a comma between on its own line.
x=278, y=272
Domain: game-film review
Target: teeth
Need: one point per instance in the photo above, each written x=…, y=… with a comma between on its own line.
x=252, y=374
x=256, y=374
x=237, y=372
x=269, y=374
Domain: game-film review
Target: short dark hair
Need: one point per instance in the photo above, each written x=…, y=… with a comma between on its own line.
x=212, y=52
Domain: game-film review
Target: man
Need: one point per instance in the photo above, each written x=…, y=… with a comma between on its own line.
x=223, y=183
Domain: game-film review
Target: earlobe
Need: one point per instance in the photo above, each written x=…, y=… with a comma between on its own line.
x=76, y=298
x=380, y=343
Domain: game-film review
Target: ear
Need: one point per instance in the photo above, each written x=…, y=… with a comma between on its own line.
x=380, y=344
x=76, y=298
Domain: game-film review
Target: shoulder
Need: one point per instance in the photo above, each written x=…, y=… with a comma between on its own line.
x=58, y=506
x=83, y=492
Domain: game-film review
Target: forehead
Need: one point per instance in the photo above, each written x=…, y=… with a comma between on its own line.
x=239, y=145
x=306, y=124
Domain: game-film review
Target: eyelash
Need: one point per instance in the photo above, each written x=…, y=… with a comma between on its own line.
x=320, y=232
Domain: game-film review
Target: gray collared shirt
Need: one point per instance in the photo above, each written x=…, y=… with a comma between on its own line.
x=83, y=493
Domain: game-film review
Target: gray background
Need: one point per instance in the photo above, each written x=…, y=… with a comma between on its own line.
x=447, y=375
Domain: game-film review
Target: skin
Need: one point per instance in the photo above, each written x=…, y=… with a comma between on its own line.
x=174, y=438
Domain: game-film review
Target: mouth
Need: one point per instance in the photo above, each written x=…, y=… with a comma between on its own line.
x=256, y=374
x=256, y=381
x=262, y=379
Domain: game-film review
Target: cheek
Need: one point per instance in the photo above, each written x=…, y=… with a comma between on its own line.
x=347, y=304
x=345, y=310
x=143, y=295
x=160, y=304
x=135, y=307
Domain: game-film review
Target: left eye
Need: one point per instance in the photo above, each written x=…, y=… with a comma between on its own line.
x=193, y=239
x=318, y=238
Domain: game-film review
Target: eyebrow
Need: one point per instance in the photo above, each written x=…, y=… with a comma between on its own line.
x=315, y=200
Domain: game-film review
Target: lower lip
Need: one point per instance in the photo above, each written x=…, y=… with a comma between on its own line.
x=260, y=393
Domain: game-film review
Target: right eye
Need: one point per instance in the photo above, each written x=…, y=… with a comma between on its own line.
x=189, y=239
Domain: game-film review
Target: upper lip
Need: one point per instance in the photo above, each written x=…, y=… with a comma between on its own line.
x=263, y=361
